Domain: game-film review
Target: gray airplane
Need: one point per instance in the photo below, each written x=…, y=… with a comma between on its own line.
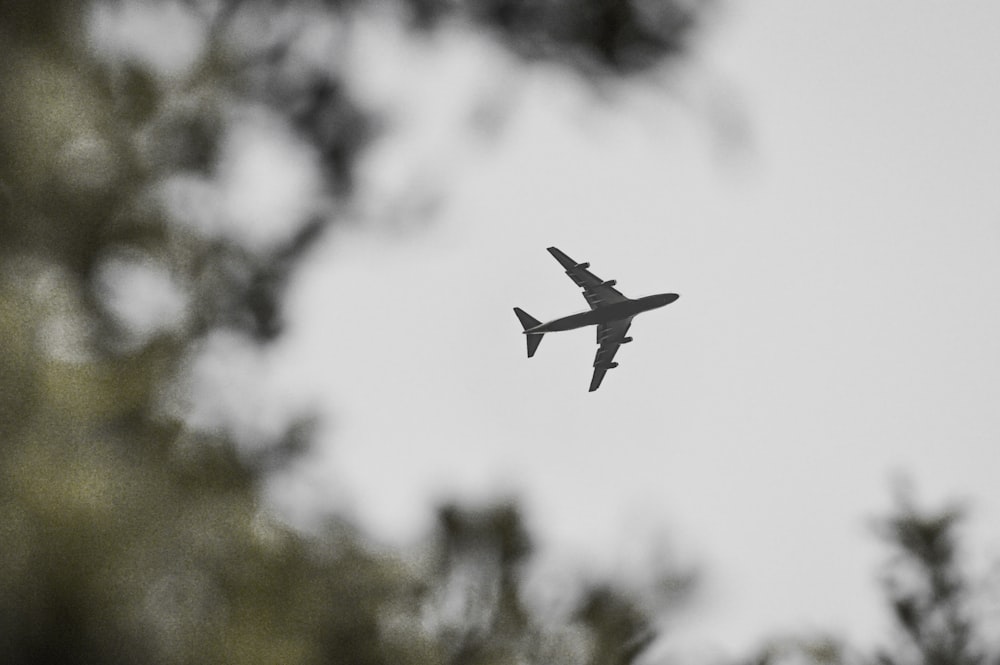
x=610, y=311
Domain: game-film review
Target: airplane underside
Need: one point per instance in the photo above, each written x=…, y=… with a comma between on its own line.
x=610, y=311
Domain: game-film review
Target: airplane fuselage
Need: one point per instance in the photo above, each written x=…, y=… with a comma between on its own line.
x=605, y=314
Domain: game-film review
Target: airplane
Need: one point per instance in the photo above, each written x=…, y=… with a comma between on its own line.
x=610, y=311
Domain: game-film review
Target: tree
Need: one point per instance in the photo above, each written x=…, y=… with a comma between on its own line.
x=929, y=594
x=928, y=590
x=128, y=534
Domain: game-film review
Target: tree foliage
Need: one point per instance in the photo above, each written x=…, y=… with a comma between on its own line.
x=930, y=596
x=929, y=590
x=129, y=535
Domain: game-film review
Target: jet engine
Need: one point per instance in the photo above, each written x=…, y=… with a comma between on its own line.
x=582, y=266
x=626, y=340
x=608, y=366
x=610, y=282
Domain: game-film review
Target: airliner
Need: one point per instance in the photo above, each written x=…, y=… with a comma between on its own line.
x=610, y=311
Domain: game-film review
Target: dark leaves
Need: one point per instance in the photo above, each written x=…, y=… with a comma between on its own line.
x=927, y=589
x=617, y=36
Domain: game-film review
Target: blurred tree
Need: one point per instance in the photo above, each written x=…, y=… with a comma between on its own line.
x=929, y=590
x=477, y=610
x=127, y=533
x=929, y=594
x=813, y=650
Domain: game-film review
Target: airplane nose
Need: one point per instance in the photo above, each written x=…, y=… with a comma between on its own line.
x=670, y=297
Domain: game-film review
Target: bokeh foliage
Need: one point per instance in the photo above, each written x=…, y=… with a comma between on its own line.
x=126, y=534
x=933, y=599
x=932, y=596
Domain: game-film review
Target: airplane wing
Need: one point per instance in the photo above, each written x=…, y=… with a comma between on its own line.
x=597, y=291
x=610, y=336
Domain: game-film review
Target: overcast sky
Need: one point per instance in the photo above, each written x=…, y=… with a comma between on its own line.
x=837, y=321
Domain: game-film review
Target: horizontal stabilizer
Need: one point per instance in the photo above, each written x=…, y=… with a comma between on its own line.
x=528, y=321
x=534, y=339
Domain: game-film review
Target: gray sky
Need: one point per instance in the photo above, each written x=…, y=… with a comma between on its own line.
x=837, y=322
x=838, y=319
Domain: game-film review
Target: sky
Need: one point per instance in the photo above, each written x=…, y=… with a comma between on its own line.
x=819, y=185
x=837, y=325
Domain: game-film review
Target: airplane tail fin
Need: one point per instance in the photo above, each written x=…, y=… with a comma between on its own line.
x=528, y=321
